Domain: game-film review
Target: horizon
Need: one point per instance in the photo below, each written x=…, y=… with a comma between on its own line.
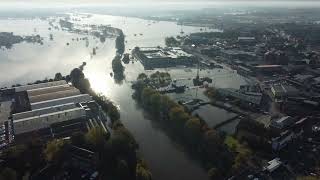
x=80, y=3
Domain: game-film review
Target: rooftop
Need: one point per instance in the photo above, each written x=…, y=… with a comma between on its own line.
x=155, y=52
x=45, y=90
x=41, y=85
x=54, y=95
x=42, y=111
x=48, y=114
x=273, y=164
x=53, y=102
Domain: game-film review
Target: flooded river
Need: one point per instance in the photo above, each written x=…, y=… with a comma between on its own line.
x=27, y=62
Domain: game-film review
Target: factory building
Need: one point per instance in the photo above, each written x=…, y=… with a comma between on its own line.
x=54, y=102
x=41, y=85
x=33, y=123
x=281, y=91
x=38, y=106
x=156, y=57
x=253, y=98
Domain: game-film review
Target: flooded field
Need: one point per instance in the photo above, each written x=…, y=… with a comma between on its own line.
x=27, y=62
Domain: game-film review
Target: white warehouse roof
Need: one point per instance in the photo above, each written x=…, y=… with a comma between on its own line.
x=41, y=85
x=42, y=111
x=54, y=102
x=44, y=121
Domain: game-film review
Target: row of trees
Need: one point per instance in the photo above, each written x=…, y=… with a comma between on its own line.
x=172, y=42
x=118, y=68
x=157, y=79
x=120, y=46
x=205, y=143
x=253, y=133
x=117, y=156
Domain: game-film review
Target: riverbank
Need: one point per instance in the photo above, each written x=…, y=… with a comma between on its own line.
x=193, y=133
x=154, y=144
x=111, y=148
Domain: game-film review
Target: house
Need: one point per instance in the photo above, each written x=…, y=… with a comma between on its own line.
x=273, y=165
x=281, y=91
x=282, y=123
x=284, y=139
x=253, y=98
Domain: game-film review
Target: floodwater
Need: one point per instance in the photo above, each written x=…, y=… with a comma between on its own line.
x=27, y=62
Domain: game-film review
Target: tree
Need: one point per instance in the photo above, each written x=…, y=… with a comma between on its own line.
x=58, y=77
x=124, y=146
x=146, y=96
x=113, y=112
x=178, y=117
x=240, y=161
x=122, y=169
x=142, y=77
x=15, y=157
x=171, y=42
x=97, y=137
x=54, y=151
x=215, y=152
x=120, y=46
x=192, y=131
x=155, y=103
x=34, y=153
x=8, y=174
x=167, y=104
x=75, y=76
x=118, y=68
x=122, y=140
x=142, y=172
x=214, y=174
x=212, y=93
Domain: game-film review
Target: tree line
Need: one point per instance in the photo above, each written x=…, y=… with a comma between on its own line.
x=122, y=141
x=202, y=141
x=115, y=154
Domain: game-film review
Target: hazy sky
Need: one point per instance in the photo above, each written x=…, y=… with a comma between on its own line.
x=132, y=1
x=146, y=2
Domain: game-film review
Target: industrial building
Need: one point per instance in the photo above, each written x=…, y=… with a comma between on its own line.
x=247, y=96
x=280, y=91
x=40, y=85
x=33, y=123
x=39, y=106
x=156, y=57
x=282, y=123
x=54, y=102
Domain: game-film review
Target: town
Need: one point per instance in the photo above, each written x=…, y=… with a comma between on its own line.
x=238, y=93
x=275, y=114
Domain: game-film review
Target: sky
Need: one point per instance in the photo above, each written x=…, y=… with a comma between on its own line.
x=45, y=3
x=132, y=1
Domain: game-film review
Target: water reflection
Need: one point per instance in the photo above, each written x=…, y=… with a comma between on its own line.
x=27, y=63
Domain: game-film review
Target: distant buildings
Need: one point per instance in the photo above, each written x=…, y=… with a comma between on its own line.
x=156, y=57
x=276, y=57
x=246, y=94
x=243, y=40
x=273, y=165
x=233, y=54
x=282, y=123
x=281, y=91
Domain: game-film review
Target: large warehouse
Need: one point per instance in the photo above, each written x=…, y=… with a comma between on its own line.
x=40, y=105
x=156, y=57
